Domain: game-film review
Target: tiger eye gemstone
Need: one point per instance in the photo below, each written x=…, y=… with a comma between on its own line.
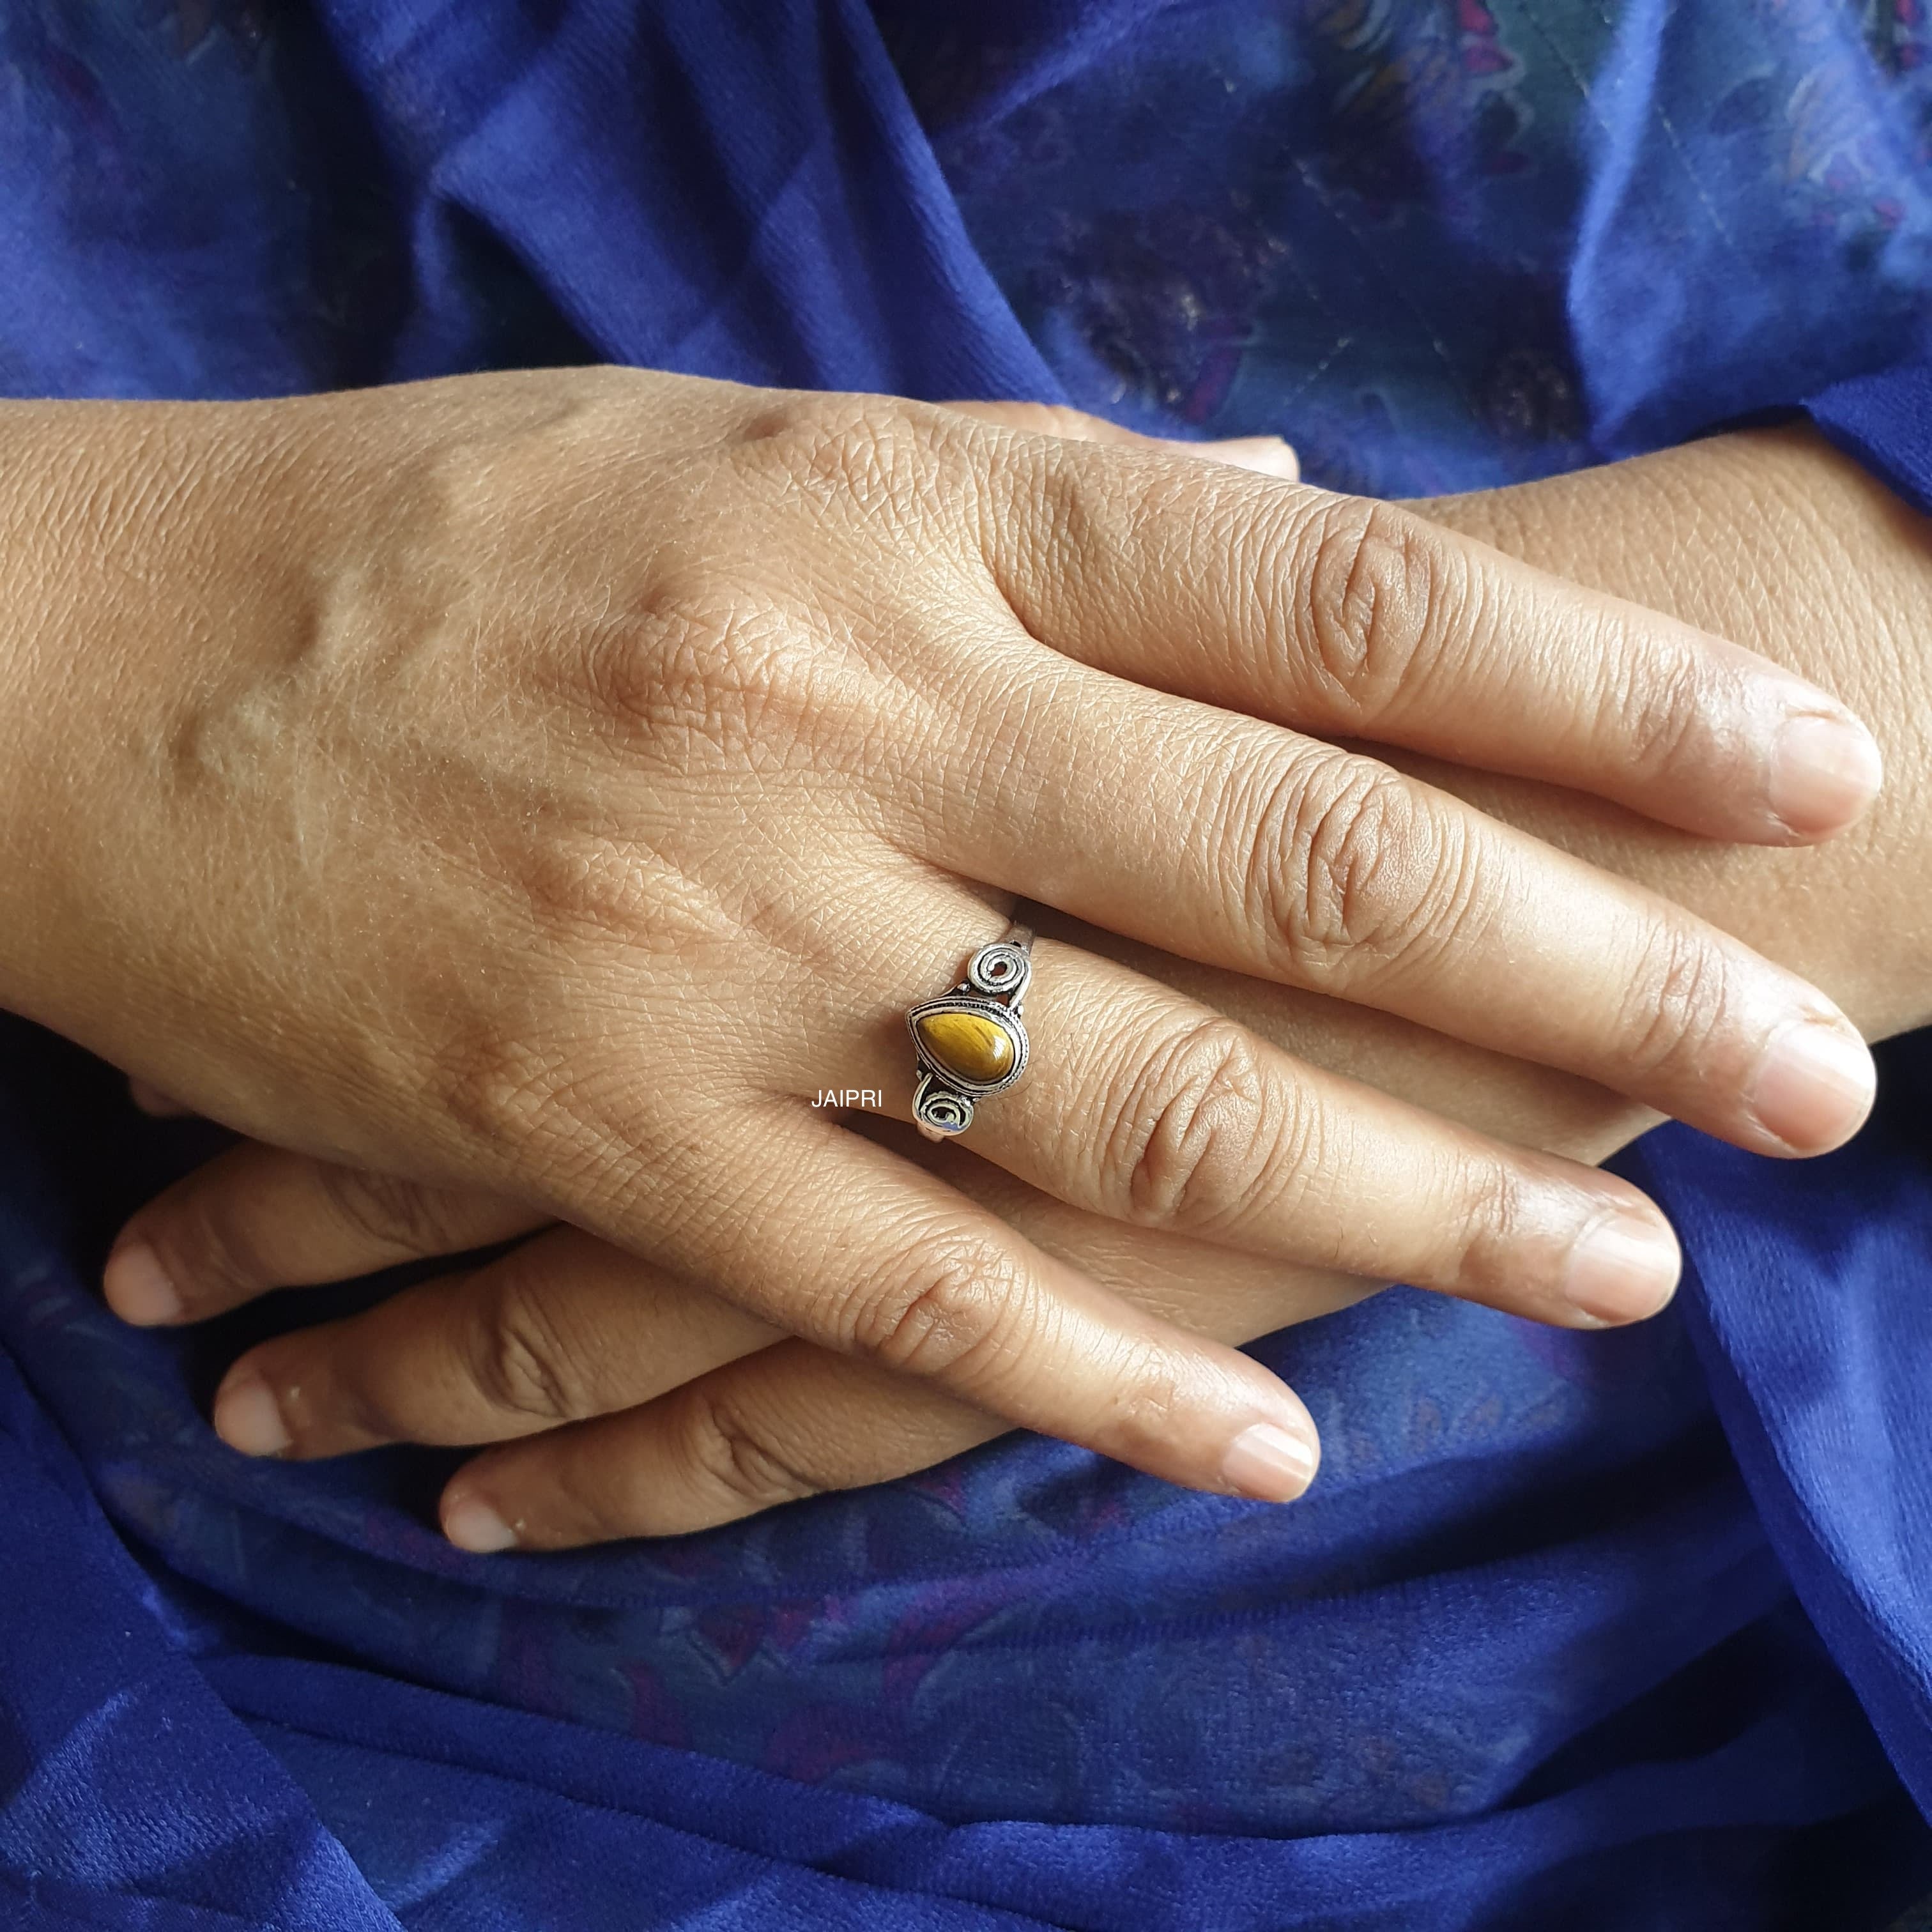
x=967, y=1044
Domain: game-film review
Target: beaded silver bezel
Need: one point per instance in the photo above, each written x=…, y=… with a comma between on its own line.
x=995, y=984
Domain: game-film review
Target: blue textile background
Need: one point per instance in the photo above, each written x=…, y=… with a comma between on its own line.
x=1628, y=1631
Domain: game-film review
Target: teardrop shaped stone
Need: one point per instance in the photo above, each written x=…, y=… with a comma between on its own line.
x=967, y=1044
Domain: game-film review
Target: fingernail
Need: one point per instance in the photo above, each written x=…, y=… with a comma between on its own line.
x=246, y=1417
x=1272, y=1464
x=137, y=1287
x=1267, y=455
x=473, y=1524
x=1814, y=1085
x=1824, y=772
x=1622, y=1269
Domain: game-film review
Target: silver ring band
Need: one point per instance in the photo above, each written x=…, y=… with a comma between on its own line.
x=971, y=1043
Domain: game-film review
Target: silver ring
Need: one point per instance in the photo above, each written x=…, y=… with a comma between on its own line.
x=971, y=1041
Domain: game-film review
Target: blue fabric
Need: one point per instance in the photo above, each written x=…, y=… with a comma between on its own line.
x=1885, y=421
x=1621, y=1631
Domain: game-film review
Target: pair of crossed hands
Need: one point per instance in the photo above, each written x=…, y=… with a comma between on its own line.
x=513, y=799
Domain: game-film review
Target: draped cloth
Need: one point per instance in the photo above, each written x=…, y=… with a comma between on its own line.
x=1624, y=1631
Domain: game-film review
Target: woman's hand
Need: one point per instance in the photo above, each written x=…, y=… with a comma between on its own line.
x=547, y=783
x=1772, y=536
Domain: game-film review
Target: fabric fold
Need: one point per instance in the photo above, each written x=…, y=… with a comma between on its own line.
x=1532, y=1652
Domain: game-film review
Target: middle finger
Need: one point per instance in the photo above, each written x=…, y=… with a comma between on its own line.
x=1241, y=845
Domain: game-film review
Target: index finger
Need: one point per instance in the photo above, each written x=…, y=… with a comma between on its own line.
x=1345, y=616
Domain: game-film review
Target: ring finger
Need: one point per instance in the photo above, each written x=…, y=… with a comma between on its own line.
x=1146, y=1107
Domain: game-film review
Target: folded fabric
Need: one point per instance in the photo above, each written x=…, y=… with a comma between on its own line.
x=1621, y=1630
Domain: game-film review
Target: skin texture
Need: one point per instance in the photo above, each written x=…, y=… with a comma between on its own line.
x=1769, y=537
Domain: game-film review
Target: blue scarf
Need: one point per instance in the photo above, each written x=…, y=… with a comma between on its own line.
x=1626, y=1630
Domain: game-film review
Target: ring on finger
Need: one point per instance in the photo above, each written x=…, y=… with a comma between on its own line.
x=971, y=1043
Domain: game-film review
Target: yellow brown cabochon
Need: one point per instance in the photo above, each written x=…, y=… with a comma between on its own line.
x=967, y=1044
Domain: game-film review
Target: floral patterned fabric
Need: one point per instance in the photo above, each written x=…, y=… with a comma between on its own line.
x=1442, y=247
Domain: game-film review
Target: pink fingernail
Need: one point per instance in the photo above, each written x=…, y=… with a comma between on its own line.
x=1622, y=1269
x=1824, y=772
x=247, y=1418
x=1272, y=1464
x=1814, y=1085
x=471, y=1524
x=137, y=1287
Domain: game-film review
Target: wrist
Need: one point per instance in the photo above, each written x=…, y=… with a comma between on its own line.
x=51, y=573
x=97, y=501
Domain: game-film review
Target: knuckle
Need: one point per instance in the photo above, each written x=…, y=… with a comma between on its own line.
x=1381, y=586
x=1485, y=1234
x=1191, y=1140
x=738, y=1459
x=520, y=1362
x=1661, y=713
x=883, y=459
x=699, y=673
x=1356, y=873
x=209, y=1242
x=1154, y=1399
x=881, y=456
x=1679, y=1000
x=388, y=1212
x=938, y=1310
